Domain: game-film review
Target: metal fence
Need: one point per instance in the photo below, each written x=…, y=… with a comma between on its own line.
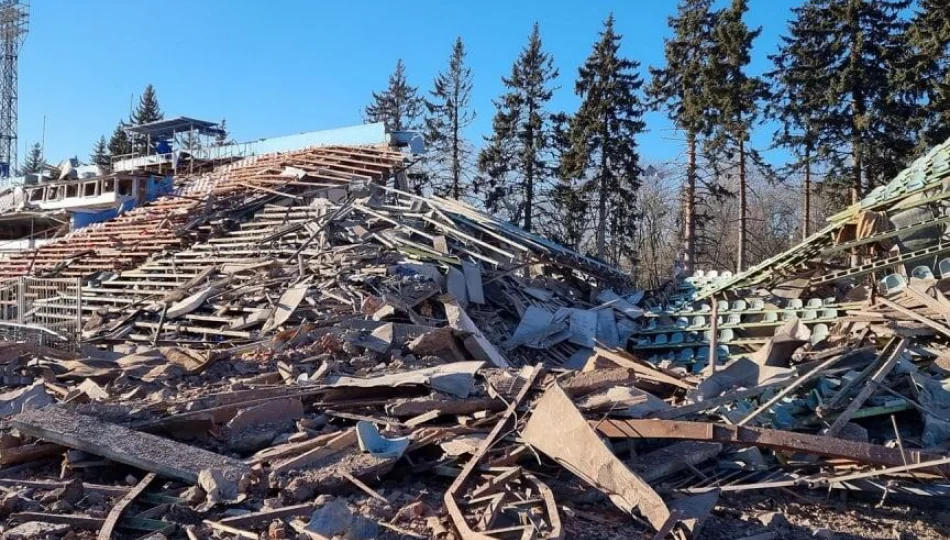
x=45, y=311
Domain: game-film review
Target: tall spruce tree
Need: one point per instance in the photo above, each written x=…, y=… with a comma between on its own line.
x=147, y=111
x=399, y=106
x=570, y=204
x=34, y=162
x=516, y=164
x=867, y=119
x=736, y=102
x=928, y=69
x=799, y=85
x=224, y=136
x=119, y=143
x=681, y=88
x=100, y=154
x=603, y=135
x=449, y=113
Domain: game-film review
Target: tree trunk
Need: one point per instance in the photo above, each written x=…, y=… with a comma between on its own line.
x=456, y=166
x=529, y=169
x=856, y=175
x=743, y=210
x=806, y=196
x=602, y=207
x=689, y=208
x=858, y=107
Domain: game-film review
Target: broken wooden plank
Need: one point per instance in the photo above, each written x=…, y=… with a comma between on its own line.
x=529, y=374
x=916, y=316
x=895, y=349
x=558, y=429
x=120, y=444
x=647, y=371
x=477, y=344
x=230, y=529
x=800, y=380
x=473, y=282
x=820, y=445
x=266, y=516
x=287, y=305
x=105, y=533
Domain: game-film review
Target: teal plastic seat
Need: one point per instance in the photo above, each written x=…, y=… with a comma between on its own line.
x=922, y=272
x=681, y=322
x=686, y=355
x=892, y=283
x=944, y=267
x=660, y=339
x=676, y=338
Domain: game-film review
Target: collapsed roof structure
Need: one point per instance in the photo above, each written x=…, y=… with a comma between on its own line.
x=297, y=343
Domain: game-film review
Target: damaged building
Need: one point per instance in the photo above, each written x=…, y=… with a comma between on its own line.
x=286, y=341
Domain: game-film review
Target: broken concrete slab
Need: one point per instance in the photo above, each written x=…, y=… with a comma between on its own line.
x=122, y=445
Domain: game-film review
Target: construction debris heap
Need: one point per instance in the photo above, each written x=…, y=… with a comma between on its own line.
x=296, y=346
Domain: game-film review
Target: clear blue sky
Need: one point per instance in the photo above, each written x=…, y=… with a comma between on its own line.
x=280, y=67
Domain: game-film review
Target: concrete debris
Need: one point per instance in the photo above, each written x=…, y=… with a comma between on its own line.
x=295, y=325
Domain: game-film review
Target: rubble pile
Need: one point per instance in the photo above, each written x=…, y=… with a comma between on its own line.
x=324, y=356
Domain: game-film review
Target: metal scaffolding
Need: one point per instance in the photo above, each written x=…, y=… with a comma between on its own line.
x=14, y=21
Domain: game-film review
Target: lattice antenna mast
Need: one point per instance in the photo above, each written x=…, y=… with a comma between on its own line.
x=14, y=22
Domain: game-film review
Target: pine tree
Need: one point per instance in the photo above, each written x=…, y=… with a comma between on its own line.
x=799, y=84
x=449, y=113
x=736, y=102
x=681, y=87
x=223, y=137
x=515, y=163
x=928, y=69
x=867, y=121
x=145, y=112
x=148, y=109
x=603, y=136
x=100, y=154
x=119, y=143
x=34, y=163
x=399, y=106
x=570, y=204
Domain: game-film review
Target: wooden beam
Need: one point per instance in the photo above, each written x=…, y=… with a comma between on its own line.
x=105, y=533
x=769, y=438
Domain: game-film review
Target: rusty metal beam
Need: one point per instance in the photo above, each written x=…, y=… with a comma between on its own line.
x=819, y=445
